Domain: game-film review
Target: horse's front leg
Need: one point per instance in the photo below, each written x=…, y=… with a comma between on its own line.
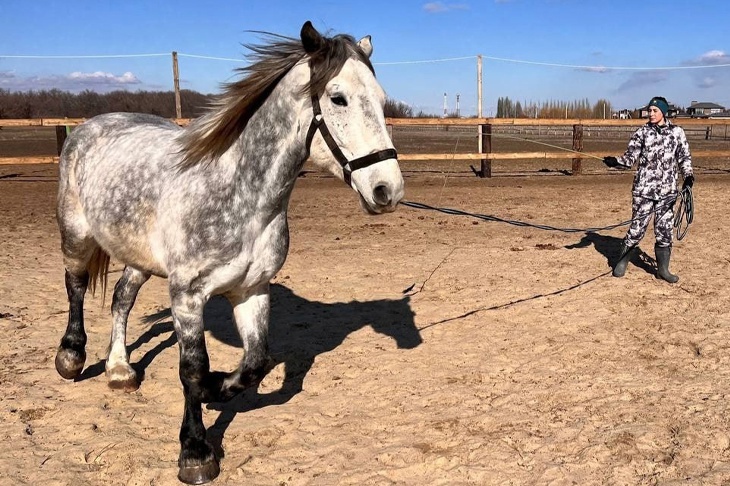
x=198, y=463
x=120, y=374
x=251, y=313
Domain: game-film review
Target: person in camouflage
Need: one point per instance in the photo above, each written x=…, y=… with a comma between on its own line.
x=660, y=150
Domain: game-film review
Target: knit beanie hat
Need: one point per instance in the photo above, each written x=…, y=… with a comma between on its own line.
x=660, y=103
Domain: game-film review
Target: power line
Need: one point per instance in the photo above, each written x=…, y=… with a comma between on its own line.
x=616, y=68
x=96, y=56
x=425, y=61
x=389, y=63
x=199, y=56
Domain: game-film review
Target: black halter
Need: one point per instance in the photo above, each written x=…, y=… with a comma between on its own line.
x=348, y=166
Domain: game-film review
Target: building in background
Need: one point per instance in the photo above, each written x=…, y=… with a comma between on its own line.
x=704, y=109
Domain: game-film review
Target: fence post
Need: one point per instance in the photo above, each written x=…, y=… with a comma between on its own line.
x=61, y=134
x=176, y=85
x=486, y=167
x=578, y=147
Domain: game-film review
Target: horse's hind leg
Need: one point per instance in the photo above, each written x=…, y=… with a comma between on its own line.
x=121, y=375
x=85, y=261
x=71, y=354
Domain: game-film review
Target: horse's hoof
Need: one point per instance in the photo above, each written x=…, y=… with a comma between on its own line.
x=70, y=363
x=122, y=378
x=128, y=385
x=199, y=474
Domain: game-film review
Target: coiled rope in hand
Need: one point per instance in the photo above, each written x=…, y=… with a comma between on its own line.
x=685, y=212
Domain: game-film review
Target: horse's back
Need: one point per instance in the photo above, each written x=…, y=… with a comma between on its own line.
x=114, y=138
x=112, y=171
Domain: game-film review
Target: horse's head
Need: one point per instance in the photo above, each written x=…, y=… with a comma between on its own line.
x=348, y=136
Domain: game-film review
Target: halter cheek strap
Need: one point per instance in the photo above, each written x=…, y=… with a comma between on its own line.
x=348, y=166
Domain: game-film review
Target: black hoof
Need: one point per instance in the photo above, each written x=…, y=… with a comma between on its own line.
x=199, y=474
x=70, y=363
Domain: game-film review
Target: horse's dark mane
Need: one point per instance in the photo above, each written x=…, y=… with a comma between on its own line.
x=209, y=137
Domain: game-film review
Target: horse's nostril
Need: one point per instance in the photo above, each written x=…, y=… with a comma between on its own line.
x=381, y=195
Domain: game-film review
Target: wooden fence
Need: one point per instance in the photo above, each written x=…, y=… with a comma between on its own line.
x=483, y=126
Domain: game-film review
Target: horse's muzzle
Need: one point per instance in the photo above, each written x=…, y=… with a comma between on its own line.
x=385, y=199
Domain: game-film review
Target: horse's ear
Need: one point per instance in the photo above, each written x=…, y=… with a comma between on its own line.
x=366, y=46
x=311, y=39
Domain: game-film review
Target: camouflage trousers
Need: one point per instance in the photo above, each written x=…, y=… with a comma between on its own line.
x=642, y=209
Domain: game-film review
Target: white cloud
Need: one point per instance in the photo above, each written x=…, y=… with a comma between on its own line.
x=595, y=69
x=100, y=77
x=75, y=81
x=439, y=7
x=708, y=78
x=710, y=58
x=713, y=58
x=706, y=82
x=643, y=78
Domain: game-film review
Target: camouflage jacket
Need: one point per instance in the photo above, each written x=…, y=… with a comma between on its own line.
x=659, y=152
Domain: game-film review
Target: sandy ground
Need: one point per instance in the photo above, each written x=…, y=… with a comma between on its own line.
x=416, y=348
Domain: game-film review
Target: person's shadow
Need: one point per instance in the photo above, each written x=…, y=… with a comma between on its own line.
x=610, y=247
x=299, y=331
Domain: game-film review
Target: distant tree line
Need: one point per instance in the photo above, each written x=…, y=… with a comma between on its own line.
x=506, y=108
x=56, y=103
x=59, y=104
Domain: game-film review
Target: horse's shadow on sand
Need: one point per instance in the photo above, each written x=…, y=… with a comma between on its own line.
x=299, y=331
x=610, y=247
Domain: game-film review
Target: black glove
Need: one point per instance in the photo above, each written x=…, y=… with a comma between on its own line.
x=610, y=161
x=688, y=182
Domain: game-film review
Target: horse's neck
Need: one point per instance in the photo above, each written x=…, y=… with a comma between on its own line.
x=271, y=150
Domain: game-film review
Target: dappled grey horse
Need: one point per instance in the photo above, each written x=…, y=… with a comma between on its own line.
x=206, y=207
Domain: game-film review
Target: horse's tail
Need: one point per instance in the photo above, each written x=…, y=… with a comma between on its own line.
x=98, y=269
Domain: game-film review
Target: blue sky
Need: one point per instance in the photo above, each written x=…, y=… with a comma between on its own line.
x=533, y=50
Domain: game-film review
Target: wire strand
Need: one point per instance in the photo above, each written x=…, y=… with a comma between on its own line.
x=595, y=68
x=92, y=56
x=522, y=139
x=607, y=68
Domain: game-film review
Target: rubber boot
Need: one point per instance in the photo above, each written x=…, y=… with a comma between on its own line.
x=619, y=270
x=663, y=254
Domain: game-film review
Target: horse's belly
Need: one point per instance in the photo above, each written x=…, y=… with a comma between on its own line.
x=134, y=249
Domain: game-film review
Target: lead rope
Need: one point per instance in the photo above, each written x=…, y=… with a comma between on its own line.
x=682, y=219
x=684, y=214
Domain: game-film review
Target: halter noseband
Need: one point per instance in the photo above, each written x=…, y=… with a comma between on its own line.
x=348, y=166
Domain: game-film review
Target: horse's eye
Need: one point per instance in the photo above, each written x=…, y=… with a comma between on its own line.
x=339, y=100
